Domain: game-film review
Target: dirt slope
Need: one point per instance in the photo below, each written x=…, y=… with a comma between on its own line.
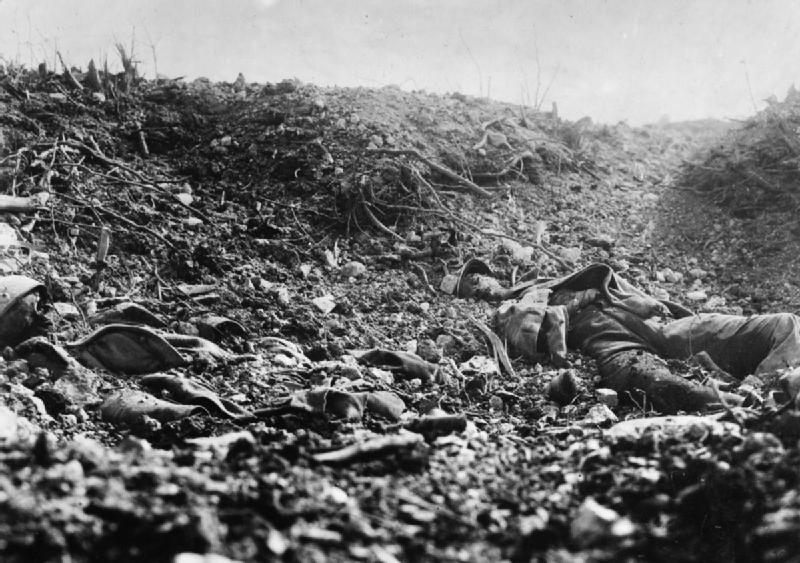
x=295, y=204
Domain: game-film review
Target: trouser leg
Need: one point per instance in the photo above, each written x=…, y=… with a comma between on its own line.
x=739, y=345
x=644, y=377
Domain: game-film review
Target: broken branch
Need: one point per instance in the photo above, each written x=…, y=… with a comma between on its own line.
x=443, y=170
x=370, y=449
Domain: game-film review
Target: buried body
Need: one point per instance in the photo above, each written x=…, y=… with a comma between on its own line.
x=628, y=333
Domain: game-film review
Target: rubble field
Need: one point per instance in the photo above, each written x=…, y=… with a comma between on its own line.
x=252, y=347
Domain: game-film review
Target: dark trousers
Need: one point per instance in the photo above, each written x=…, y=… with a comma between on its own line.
x=739, y=345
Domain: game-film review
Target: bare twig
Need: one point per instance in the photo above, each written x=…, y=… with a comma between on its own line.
x=68, y=74
x=725, y=404
x=370, y=449
x=98, y=155
x=121, y=219
x=443, y=170
x=376, y=222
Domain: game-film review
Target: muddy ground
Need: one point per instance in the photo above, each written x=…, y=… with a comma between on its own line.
x=299, y=213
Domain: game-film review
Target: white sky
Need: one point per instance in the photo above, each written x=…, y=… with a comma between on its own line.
x=618, y=59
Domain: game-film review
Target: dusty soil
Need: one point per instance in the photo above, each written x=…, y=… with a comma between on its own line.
x=288, y=185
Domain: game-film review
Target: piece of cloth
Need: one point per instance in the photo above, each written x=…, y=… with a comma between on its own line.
x=627, y=331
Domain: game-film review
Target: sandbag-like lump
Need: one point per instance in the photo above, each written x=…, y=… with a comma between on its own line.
x=127, y=349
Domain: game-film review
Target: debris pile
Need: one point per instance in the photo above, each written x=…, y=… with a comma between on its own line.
x=245, y=336
x=756, y=165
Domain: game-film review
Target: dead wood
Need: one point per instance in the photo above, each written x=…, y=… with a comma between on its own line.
x=371, y=449
x=472, y=187
x=71, y=80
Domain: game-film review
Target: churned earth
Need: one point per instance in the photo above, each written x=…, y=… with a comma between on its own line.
x=323, y=222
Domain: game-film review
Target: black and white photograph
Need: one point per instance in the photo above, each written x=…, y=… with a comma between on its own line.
x=399, y=281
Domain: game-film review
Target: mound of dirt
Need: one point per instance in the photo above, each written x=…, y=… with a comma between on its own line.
x=268, y=235
x=756, y=165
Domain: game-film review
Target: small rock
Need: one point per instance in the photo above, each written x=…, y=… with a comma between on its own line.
x=341, y=123
x=671, y=276
x=283, y=296
x=261, y=284
x=188, y=557
x=480, y=365
x=698, y=295
x=69, y=420
x=496, y=403
x=448, y=284
x=496, y=139
x=593, y=523
x=389, y=140
x=572, y=254
x=70, y=472
x=382, y=375
x=661, y=294
x=607, y=397
x=305, y=270
x=428, y=350
x=184, y=198
x=325, y=304
x=67, y=311
x=376, y=140
x=715, y=302
x=519, y=254
x=445, y=343
x=563, y=388
x=600, y=414
x=601, y=241
x=15, y=428
x=354, y=118
x=277, y=542
x=353, y=269
x=335, y=495
x=697, y=274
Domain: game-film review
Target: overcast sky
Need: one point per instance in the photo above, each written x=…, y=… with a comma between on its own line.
x=612, y=60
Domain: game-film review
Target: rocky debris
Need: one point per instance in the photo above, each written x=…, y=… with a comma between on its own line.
x=607, y=397
x=563, y=388
x=753, y=165
x=353, y=269
x=697, y=295
x=258, y=251
x=325, y=303
x=594, y=523
x=600, y=415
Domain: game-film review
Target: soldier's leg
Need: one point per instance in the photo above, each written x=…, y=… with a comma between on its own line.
x=739, y=345
x=644, y=378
